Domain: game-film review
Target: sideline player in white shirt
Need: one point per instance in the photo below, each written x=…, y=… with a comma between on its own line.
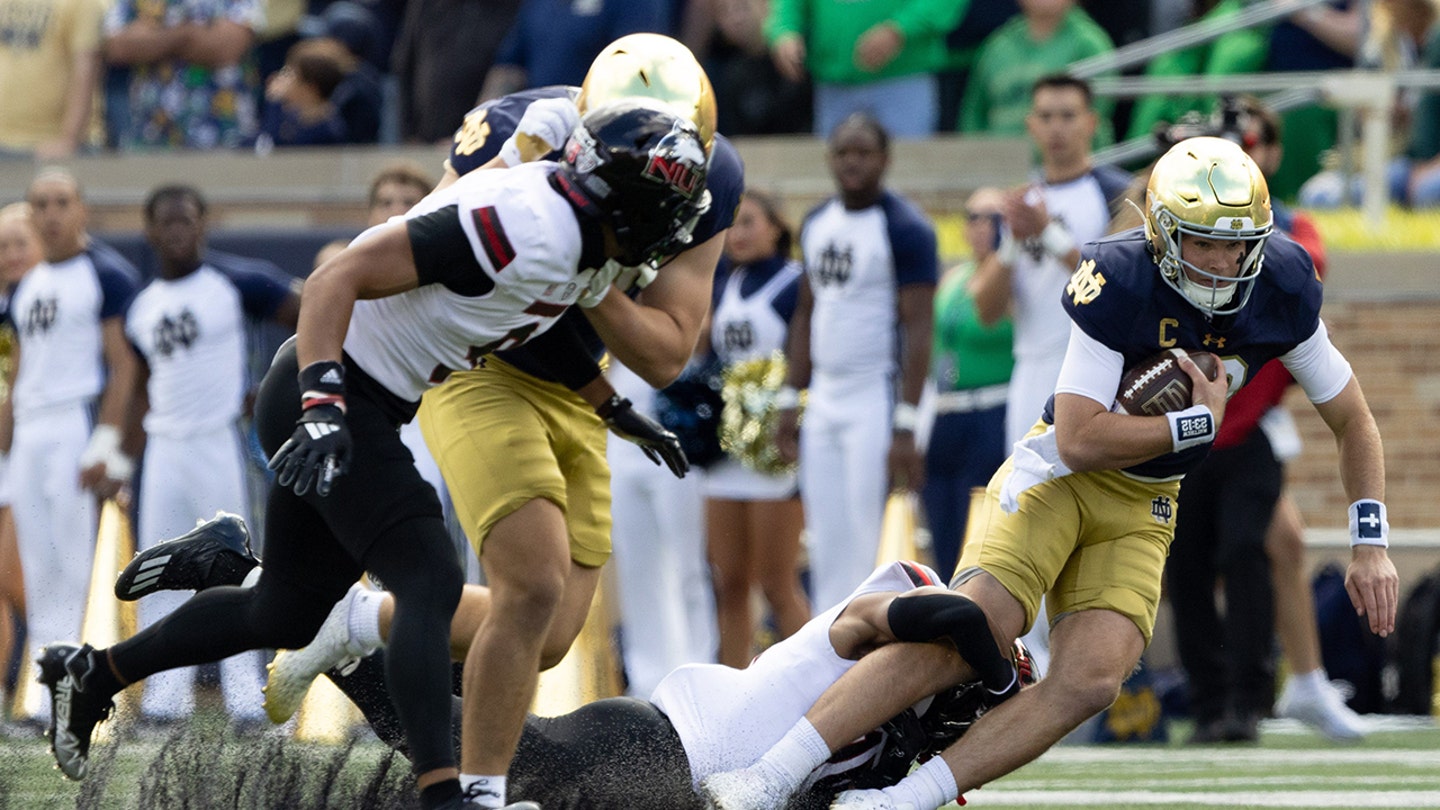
x=1070, y=203
x=189, y=326
x=72, y=358
x=486, y=263
x=864, y=314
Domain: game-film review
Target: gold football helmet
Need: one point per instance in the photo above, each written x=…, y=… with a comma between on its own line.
x=656, y=67
x=1208, y=188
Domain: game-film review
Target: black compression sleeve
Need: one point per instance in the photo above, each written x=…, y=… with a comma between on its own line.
x=443, y=254
x=932, y=616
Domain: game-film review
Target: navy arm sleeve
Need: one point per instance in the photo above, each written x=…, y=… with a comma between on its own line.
x=912, y=243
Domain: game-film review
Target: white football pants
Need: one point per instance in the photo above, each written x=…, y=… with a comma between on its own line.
x=185, y=480
x=55, y=524
x=844, y=443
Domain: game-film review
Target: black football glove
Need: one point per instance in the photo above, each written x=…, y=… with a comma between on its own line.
x=319, y=450
x=657, y=443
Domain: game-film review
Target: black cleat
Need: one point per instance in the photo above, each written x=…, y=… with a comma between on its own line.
x=215, y=552
x=65, y=670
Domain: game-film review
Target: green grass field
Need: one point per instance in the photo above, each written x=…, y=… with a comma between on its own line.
x=1396, y=767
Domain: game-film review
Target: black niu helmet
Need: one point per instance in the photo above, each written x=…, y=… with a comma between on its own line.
x=641, y=169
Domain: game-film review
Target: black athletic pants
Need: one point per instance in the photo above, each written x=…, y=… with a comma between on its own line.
x=1225, y=508
x=380, y=517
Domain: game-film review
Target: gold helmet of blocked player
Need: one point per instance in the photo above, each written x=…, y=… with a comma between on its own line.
x=1208, y=188
x=656, y=67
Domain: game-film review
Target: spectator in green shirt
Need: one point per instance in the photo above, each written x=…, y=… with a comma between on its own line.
x=879, y=57
x=1045, y=38
x=1242, y=51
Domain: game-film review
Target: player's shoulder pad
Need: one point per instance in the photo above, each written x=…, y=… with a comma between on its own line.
x=517, y=215
x=1114, y=280
x=1288, y=265
x=725, y=181
x=485, y=128
x=1288, y=290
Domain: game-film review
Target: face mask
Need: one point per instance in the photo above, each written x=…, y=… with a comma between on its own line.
x=1205, y=295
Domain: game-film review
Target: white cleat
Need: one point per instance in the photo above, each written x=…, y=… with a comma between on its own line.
x=745, y=789
x=1323, y=709
x=292, y=671
x=867, y=800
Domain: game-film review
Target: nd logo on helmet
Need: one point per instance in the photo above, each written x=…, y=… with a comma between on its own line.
x=678, y=161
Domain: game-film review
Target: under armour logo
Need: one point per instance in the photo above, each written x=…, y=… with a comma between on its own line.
x=1162, y=510
x=1218, y=341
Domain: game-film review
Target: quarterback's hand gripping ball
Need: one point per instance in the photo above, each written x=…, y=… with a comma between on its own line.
x=1158, y=385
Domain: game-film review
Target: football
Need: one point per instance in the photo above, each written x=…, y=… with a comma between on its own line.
x=1157, y=385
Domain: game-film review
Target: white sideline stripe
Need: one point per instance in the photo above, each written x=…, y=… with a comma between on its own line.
x=1212, y=798
x=1233, y=782
x=1119, y=755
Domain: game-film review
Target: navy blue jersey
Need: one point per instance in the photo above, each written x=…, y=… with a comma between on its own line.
x=1118, y=298
x=479, y=140
x=485, y=128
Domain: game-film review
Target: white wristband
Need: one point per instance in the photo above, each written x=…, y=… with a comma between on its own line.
x=904, y=418
x=1368, y=524
x=1191, y=427
x=119, y=467
x=787, y=398
x=1056, y=240
x=1008, y=251
x=104, y=442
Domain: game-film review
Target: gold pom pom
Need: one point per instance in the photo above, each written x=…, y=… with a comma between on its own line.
x=750, y=418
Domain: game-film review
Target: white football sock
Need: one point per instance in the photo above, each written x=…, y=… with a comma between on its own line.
x=494, y=785
x=799, y=752
x=363, y=621
x=927, y=787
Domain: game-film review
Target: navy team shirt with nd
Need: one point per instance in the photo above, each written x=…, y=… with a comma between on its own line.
x=479, y=140
x=1118, y=298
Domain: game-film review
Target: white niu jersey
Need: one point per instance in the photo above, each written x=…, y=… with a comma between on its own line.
x=192, y=333
x=1042, y=327
x=57, y=309
x=727, y=718
x=523, y=236
x=744, y=328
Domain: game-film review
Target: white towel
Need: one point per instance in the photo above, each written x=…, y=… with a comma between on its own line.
x=1036, y=459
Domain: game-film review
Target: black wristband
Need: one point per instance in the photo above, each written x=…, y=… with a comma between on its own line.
x=322, y=383
x=608, y=408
